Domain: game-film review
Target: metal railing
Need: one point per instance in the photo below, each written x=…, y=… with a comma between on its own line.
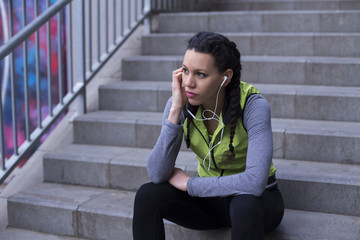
x=94, y=30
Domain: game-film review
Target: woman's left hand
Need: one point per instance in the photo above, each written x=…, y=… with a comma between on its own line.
x=179, y=179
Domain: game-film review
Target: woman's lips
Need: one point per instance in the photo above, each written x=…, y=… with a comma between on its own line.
x=190, y=94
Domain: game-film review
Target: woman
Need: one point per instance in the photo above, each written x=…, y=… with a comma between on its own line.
x=227, y=124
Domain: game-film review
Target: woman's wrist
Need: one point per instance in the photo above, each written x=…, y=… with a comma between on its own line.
x=174, y=115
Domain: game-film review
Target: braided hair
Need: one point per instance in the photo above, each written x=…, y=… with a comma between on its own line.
x=226, y=56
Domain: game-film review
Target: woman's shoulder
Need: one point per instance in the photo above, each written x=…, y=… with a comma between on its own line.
x=246, y=91
x=256, y=102
x=257, y=110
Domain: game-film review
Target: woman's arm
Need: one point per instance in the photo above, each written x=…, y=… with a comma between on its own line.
x=257, y=121
x=163, y=156
x=162, y=159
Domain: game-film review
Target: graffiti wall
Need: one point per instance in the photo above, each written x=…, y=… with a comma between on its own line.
x=37, y=99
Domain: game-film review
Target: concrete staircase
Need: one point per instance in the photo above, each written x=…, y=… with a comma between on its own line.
x=304, y=56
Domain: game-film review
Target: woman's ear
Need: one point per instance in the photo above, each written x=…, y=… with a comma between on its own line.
x=228, y=74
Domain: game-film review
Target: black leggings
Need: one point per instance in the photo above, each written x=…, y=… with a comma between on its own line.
x=249, y=217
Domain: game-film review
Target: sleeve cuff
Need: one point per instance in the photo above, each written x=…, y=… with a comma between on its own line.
x=190, y=189
x=173, y=125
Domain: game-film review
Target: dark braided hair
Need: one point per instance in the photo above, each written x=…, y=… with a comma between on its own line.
x=226, y=56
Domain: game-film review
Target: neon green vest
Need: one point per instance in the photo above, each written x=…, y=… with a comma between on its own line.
x=221, y=164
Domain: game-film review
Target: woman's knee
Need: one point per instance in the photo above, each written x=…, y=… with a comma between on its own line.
x=245, y=206
x=152, y=195
x=146, y=221
x=146, y=194
x=144, y=191
x=145, y=201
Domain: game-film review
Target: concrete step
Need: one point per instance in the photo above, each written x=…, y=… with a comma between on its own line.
x=261, y=44
x=104, y=166
x=125, y=168
x=303, y=101
x=107, y=214
x=261, y=21
x=328, y=71
x=313, y=140
x=251, y=5
x=21, y=234
x=73, y=211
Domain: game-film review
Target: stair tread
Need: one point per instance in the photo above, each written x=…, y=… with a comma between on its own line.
x=285, y=34
x=301, y=126
x=287, y=169
x=270, y=12
x=245, y=58
x=286, y=19
x=228, y=2
x=118, y=204
x=263, y=87
x=22, y=234
x=289, y=43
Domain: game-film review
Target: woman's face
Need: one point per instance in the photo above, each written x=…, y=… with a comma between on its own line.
x=201, y=79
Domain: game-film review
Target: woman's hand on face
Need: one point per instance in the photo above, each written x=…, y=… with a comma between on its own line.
x=178, y=91
x=179, y=179
x=178, y=96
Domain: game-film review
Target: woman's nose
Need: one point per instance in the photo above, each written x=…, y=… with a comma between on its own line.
x=189, y=81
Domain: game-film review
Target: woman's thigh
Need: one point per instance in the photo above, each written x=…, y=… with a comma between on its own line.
x=169, y=203
x=273, y=209
x=252, y=217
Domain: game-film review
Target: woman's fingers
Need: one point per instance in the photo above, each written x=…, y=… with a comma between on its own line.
x=178, y=92
x=178, y=96
x=177, y=76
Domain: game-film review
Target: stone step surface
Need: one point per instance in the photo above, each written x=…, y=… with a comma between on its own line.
x=312, y=140
x=21, y=234
x=261, y=21
x=125, y=168
x=328, y=71
x=303, y=101
x=273, y=44
x=254, y=5
x=107, y=214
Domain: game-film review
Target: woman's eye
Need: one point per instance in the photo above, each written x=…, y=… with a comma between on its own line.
x=202, y=75
x=185, y=70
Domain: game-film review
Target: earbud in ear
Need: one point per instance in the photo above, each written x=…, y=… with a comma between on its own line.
x=225, y=78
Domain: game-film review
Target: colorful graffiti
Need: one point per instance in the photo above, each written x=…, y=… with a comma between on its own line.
x=31, y=66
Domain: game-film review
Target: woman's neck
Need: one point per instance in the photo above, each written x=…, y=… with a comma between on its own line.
x=211, y=106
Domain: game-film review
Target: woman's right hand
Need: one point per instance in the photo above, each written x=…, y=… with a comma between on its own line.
x=178, y=96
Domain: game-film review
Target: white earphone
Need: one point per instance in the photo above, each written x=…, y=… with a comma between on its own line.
x=225, y=78
x=215, y=117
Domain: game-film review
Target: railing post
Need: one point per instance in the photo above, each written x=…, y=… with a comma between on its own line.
x=147, y=21
x=80, y=53
x=2, y=142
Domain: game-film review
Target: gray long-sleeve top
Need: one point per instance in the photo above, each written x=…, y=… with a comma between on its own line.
x=257, y=122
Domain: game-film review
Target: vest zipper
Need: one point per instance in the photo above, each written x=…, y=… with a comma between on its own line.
x=213, y=158
x=200, y=133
